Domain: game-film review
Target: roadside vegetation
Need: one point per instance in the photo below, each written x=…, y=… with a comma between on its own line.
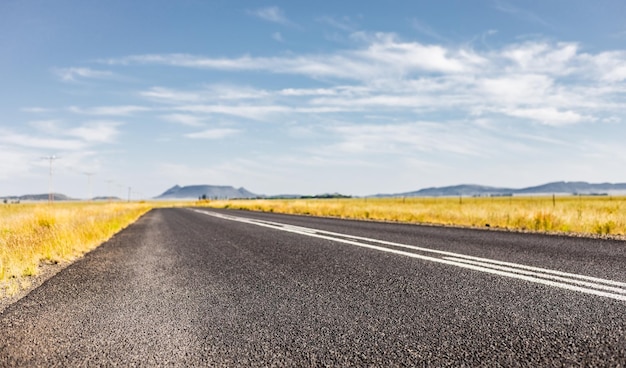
x=33, y=235
x=587, y=215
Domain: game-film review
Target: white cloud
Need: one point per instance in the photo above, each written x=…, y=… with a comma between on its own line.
x=609, y=66
x=74, y=74
x=549, y=116
x=307, y=92
x=14, y=162
x=163, y=94
x=22, y=152
x=96, y=131
x=554, y=83
x=406, y=138
x=407, y=57
x=184, y=119
x=261, y=112
x=23, y=140
x=46, y=126
x=272, y=14
x=190, y=61
x=385, y=56
x=210, y=93
x=36, y=110
x=122, y=110
x=344, y=23
x=234, y=92
x=253, y=112
x=217, y=133
x=612, y=120
x=516, y=88
x=384, y=101
x=542, y=57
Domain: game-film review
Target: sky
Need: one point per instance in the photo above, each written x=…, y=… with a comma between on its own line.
x=309, y=97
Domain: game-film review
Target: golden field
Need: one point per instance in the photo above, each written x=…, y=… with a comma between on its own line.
x=597, y=215
x=32, y=235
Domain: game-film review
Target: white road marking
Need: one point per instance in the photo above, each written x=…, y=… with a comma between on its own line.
x=564, y=280
x=537, y=274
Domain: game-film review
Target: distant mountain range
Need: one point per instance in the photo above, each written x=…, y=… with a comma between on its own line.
x=466, y=190
x=208, y=191
x=37, y=197
x=559, y=187
x=57, y=197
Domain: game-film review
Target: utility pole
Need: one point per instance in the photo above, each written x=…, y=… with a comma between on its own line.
x=129, y=190
x=89, y=192
x=50, y=186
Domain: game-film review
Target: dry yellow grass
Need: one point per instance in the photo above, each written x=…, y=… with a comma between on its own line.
x=598, y=215
x=34, y=234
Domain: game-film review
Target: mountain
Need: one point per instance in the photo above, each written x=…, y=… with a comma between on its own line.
x=210, y=191
x=574, y=187
x=453, y=191
x=106, y=198
x=301, y=196
x=559, y=187
x=37, y=197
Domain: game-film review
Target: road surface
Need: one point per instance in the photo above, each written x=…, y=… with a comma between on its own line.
x=203, y=287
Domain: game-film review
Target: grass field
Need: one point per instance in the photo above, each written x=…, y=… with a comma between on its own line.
x=32, y=235
x=597, y=215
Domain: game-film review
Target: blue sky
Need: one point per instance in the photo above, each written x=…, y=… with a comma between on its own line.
x=357, y=97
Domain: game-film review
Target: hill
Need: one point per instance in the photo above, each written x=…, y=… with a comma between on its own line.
x=210, y=191
x=574, y=187
x=106, y=198
x=559, y=187
x=456, y=190
x=37, y=197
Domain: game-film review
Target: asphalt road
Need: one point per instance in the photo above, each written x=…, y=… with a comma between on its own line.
x=189, y=288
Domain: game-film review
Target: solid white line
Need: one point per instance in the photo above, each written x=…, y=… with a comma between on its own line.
x=452, y=254
x=421, y=249
x=541, y=275
x=517, y=271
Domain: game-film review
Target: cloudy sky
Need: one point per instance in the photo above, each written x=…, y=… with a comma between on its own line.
x=358, y=97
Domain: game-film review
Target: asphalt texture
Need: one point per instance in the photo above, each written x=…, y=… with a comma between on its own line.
x=181, y=288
